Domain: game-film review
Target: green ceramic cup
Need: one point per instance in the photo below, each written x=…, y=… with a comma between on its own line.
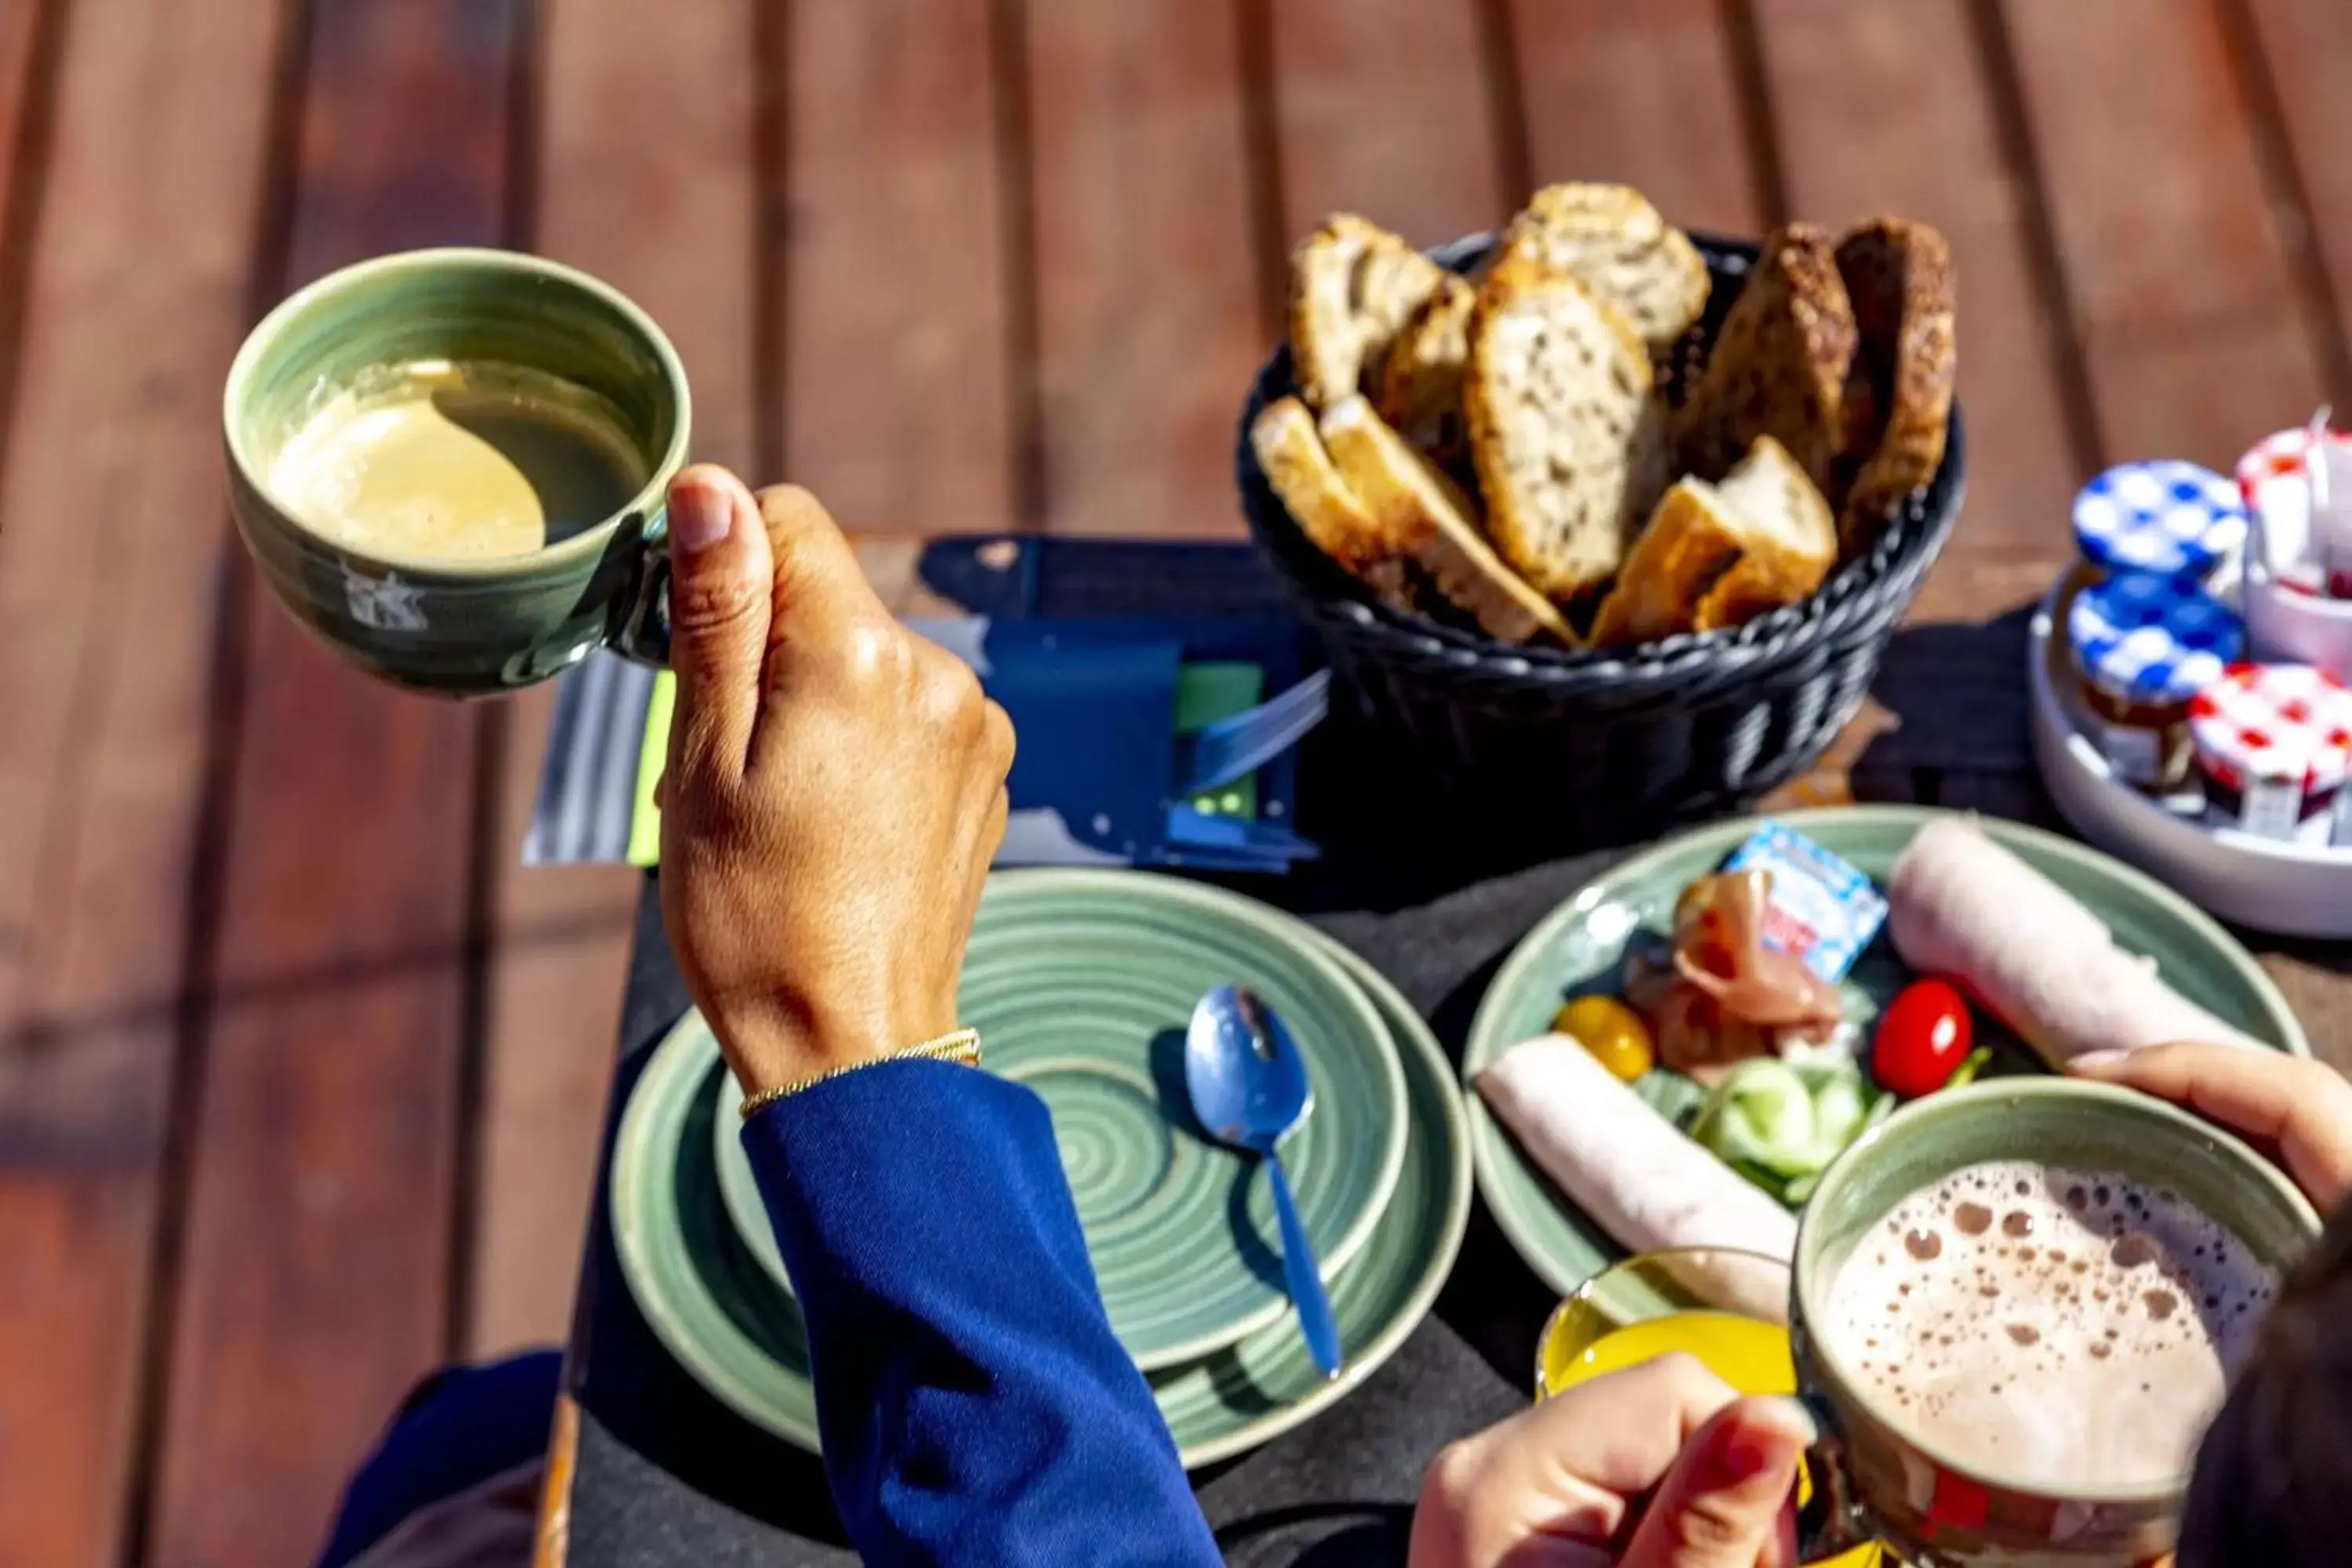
x=462, y=628
x=1887, y=1481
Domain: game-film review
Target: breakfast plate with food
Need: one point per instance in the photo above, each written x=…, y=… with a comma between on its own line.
x=1674, y=1055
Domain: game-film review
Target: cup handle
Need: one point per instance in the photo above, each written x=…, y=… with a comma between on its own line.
x=1828, y=1524
x=641, y=615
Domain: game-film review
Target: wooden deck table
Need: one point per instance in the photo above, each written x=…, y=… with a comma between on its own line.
x=301, y=1074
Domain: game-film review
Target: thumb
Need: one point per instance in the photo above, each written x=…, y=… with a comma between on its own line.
x=722, y=593
x=1726, y=1501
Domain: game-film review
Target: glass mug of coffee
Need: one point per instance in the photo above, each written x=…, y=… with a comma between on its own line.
x=2012, y=1308
x=449, y=465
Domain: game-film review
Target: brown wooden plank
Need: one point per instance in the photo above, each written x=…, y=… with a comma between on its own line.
x=1148, y=325
x=2179, y=281
x=108, y=562
x=1643, y=95
x=1381, y=107
x=1888, y=111
x=2302, y=51
x=647, y=134
x=897, y=335
x=316, y=1278
x=2312, y=975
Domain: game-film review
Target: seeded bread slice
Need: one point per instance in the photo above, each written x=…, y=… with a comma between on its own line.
x=1613, y=242
x=1421, y=385
x=1353, y=286
x=1326, y=507
x=1898, y=390
x=1779, y=367
x=1563, y=428
x=1788, y=538
x=1427, y=520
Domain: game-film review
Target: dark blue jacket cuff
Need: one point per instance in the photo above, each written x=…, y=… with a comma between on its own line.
x=974, y=1404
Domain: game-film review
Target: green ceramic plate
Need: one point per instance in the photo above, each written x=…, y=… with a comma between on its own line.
x=1579, y=947
x=717, y=1310
x=1080, y=982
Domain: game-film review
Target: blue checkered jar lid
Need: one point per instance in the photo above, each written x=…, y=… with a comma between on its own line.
x=2167, y=517
x=2144, y=638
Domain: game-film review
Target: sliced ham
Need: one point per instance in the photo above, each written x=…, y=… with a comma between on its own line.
x=1719, y=947
x=1618, y=1161
x=1963, y=907
x=1721, y=995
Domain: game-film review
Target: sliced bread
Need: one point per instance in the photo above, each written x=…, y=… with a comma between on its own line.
x=1353, y=286
x=1788, y=538
x=1563, y=428
x=1690, y=541
x=1611, y=239
x=1898, y=392
x=1335, y=519
x=1427, y=520
x=1779, y=367
x=1420, y=385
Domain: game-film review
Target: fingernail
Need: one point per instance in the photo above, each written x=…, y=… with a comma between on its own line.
x=1768, y=1434
x=2098, y=1061
x=700, y=514
x=1745, y=1458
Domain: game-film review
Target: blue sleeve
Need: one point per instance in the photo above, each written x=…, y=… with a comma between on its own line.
x=974, y=1404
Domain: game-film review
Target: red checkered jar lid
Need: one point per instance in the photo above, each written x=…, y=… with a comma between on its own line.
x=2274, y=478
x=2268, y=723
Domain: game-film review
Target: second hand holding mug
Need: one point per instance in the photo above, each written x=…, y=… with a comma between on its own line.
x=1879, y=1475
x=479, y=625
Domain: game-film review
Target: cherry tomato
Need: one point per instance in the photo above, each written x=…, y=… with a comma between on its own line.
x=1611, y=1031
x=1923, y=1036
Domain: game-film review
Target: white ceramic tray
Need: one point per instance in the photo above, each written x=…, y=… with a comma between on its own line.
x=2257, y=882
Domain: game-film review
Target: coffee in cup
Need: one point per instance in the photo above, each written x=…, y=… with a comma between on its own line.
x=449, y=465
x=441, y=461
x=2069, y=1323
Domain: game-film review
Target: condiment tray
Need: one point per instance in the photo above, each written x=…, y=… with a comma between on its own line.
x=2266, y=884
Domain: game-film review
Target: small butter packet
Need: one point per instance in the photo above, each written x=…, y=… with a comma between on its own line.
x=1822, y=910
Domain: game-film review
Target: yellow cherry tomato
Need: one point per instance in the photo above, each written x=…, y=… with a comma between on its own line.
x=1611, y=1031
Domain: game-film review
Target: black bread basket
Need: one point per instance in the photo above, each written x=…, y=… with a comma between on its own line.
x=1602, y=745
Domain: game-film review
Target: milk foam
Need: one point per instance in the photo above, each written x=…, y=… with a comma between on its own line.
x=2065, y=1325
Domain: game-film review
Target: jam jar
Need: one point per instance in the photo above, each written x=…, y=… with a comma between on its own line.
x=2144, y=646
x=2273, y=746
x=2166, y=519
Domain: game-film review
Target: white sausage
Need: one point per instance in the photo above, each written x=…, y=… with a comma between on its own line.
x=1621, y=1162
x=1961, y=906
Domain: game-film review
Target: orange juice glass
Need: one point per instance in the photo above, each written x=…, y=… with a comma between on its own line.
x=1729, y=1309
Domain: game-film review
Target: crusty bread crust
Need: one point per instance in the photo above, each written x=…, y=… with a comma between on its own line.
x=1715, y=556
x=1898, y=402
x=1429, y=521
x=1691, y=539
x=1354, y=286
x=1789, y=540
x=1421, y=385
x=1335, y=519
x=1563, y=428
x=1779, y=367
x=1615, y=243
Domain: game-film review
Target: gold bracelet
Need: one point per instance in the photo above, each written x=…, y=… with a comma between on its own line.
x=959, y=1046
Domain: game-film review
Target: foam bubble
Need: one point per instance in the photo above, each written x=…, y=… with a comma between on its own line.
x=2096, y=1349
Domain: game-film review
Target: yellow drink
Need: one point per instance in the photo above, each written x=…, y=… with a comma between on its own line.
x=1751, y=1356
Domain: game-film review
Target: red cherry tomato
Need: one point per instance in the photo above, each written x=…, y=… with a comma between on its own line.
x=1923, y=1036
